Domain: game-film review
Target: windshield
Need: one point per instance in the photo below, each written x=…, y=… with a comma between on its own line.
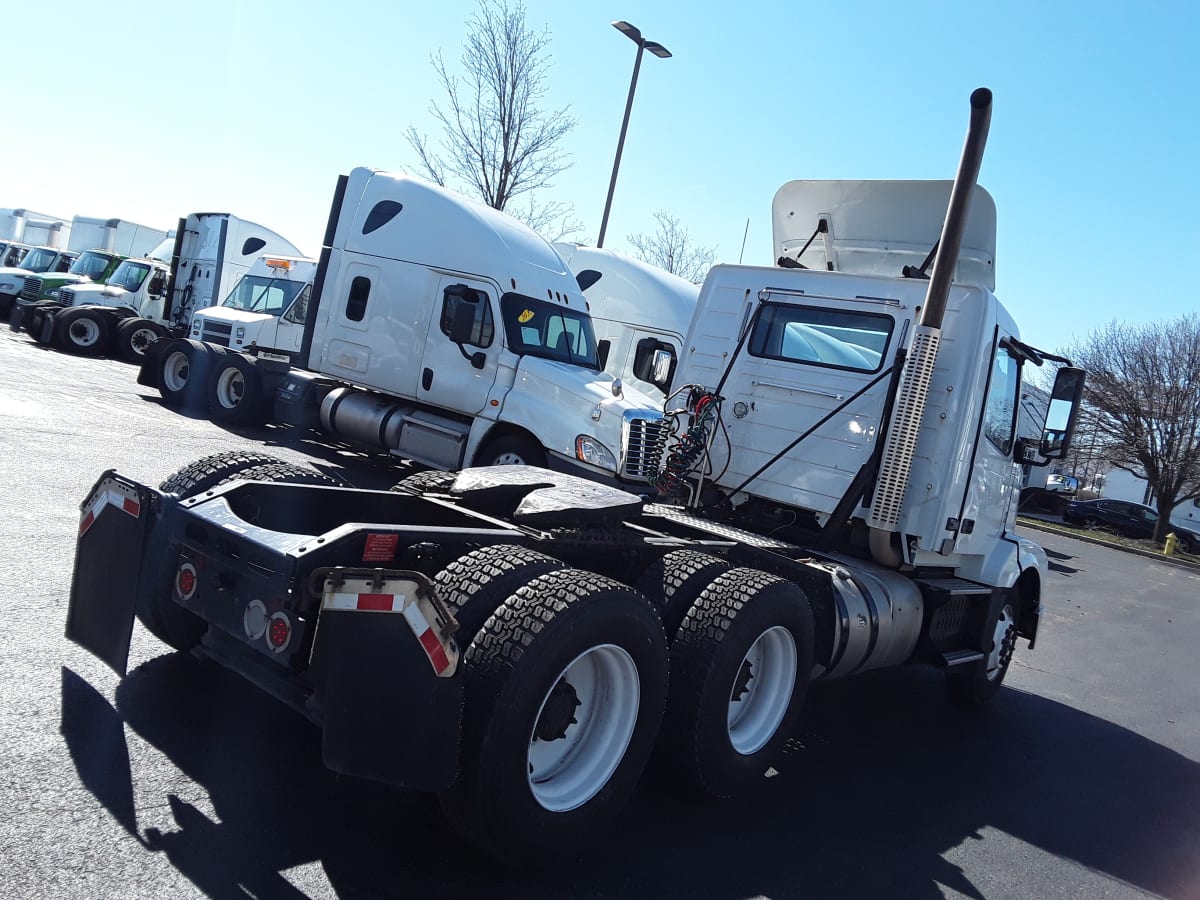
x=263, y=294
x=13, y=255
x=91, y=264
x=39, y=260
x=536, y=328
x=129, y=275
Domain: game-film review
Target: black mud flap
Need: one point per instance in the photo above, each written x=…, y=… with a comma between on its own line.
x=151, y=360
x=386, y=715
x=114, y=522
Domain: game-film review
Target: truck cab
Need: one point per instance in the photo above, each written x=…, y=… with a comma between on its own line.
x=11, y=254
x=38, y=261
x=640, y=310
x=803, y=356
x=474, y=327
x=89, y=266
x=136, y=285
x=266, y=309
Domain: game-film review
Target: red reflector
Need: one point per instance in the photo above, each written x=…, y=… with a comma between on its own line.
x=433, y=649
x=278, y=632
x=376, y=602
x=86, y=523
x=132, y=507
x=187, y=582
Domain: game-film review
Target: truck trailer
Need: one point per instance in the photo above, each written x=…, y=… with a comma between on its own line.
x=835, y=492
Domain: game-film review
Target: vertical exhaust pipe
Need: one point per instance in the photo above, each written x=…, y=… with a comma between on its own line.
x=909, y=409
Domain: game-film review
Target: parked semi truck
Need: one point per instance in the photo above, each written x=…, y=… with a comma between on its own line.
x=836, y=492
x=641, y=310
x=101, y=244
x=439, y=330
x=36, y=261
x=146, y=299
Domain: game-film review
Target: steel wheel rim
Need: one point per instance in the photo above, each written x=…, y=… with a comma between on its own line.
x=176, y=368
x=230, y=387
x=140, y=339
x=509, y=458
x=84, y=332
x=1004, y=638
x=757, y=706
x=566, y=772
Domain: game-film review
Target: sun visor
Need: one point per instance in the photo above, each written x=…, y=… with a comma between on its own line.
x=879, y=227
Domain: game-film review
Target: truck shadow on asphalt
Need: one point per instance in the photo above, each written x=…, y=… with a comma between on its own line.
x=865, y=804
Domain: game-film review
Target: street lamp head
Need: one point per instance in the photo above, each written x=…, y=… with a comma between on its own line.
x=657, y=49
x=628, y=30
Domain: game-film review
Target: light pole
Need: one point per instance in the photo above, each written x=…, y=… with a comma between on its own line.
x=662, y=53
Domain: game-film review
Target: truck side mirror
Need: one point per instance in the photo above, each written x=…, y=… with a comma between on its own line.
x=603, y=348
x=1062, y=412
x=462, y=322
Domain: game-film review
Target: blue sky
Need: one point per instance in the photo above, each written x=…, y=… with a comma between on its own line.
x=148, y=111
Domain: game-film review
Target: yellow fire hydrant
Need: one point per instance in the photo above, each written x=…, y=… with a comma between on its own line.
x=1171, y=544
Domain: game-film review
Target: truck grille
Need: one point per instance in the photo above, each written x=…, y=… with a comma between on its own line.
x=215, y=332
x=643, y=447
x=32, y=288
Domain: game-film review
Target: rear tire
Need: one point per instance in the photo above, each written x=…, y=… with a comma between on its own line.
x=432, y=481
x=134, y=336
x=83, y=331
x=183, y=373
x=210, y=471
x=740, y=667
x=247, y=505
x=674, y=582
x=475, y=585
x=565, y=687
x=234, y=391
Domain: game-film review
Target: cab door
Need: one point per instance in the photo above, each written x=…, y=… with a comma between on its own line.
x=460, y=377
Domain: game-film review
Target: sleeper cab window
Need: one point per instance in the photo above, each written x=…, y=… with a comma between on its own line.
x=356, y=303
x=823, y=337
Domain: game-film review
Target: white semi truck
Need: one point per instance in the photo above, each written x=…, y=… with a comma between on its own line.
x=836, y=493
x=439, y=330
x=37, y=261
x=145, y=298
x=640, y=310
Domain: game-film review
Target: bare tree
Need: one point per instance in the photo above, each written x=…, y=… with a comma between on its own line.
x=671, y=248
x=496, y=138
x=1143, y=385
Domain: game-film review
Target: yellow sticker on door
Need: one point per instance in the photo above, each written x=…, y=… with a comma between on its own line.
x=525, y=316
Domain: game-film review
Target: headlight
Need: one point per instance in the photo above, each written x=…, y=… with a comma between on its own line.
x=241, y=332
x=197, y=324
x=591, y=451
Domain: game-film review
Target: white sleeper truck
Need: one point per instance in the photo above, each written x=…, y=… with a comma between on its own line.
x=836, y=493
x=439, y=330
x=144, y=299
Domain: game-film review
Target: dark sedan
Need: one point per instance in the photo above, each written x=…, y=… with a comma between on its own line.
x=1123, y=517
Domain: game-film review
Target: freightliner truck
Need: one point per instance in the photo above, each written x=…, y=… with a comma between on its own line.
x=440, y=330
x=836, y=492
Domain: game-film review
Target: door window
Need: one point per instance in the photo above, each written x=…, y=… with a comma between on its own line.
x=999, y=415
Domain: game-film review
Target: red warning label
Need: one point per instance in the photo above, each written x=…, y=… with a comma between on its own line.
x=380, y=547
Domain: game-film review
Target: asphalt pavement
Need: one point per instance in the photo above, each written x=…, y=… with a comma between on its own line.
x=1081, y=780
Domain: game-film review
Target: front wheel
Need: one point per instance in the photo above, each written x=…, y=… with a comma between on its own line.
x=565, y=692
x=511, y=450
x=978, y=682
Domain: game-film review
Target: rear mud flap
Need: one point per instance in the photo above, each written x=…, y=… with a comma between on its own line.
x=386, y=715
x=114, y=522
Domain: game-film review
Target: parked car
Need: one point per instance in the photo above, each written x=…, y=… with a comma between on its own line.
x=1062, y=484
x=1123, y=517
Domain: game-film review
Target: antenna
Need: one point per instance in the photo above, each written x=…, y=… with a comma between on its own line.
x=744, y=233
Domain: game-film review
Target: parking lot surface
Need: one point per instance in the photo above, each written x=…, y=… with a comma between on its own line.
x=1081, y=780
